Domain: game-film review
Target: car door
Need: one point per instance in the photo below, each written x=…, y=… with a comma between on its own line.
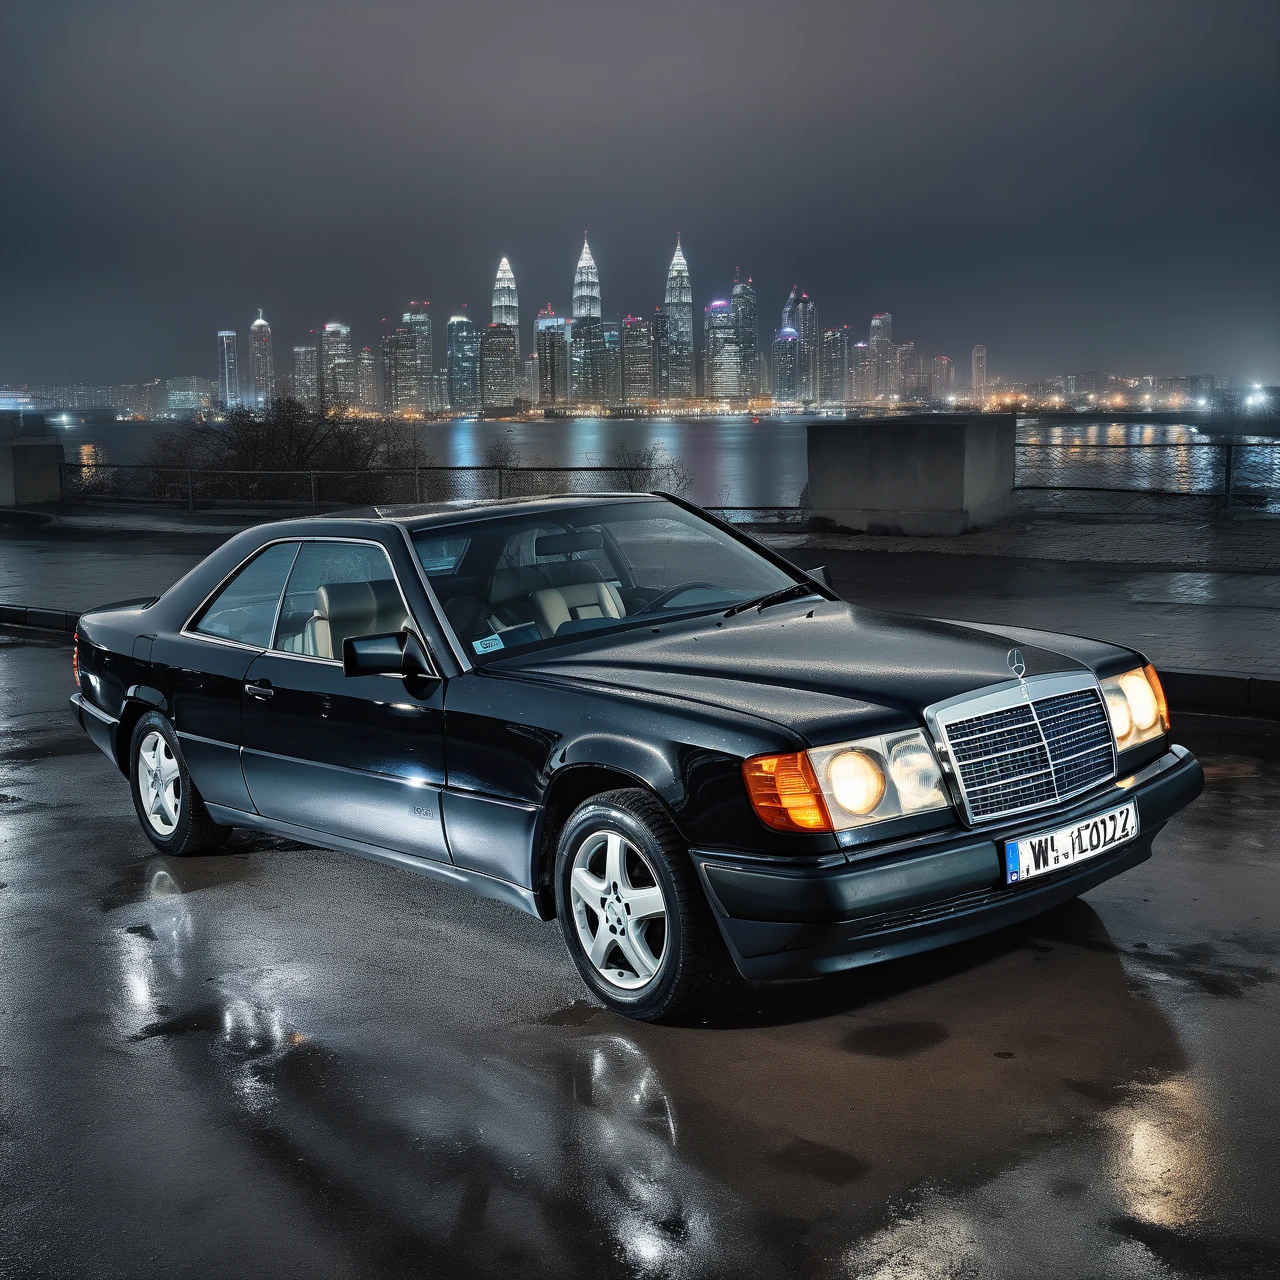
x=201, y=669
x=361, y=758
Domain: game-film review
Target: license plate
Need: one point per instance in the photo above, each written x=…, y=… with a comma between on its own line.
x=1038, y=855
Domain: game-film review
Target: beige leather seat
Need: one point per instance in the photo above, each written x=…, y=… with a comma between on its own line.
x=352, y=609
x=554, y=606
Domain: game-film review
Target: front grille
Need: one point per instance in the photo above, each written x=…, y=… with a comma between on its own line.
x=1032, y=753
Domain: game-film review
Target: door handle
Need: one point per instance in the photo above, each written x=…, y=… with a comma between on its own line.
x=262, y=689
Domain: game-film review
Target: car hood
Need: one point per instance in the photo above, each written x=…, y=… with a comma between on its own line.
x=814, y=668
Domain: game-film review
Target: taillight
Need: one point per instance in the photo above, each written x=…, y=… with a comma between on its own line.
x=75, y=658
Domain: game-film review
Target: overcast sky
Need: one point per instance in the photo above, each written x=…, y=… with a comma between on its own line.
x=1078, y=185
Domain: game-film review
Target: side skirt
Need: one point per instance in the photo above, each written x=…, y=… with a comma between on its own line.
x=481, y=885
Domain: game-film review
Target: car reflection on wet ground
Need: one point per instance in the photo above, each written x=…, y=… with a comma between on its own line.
x=280, y=1060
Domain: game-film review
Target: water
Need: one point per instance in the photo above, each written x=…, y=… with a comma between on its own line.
x=740, y=462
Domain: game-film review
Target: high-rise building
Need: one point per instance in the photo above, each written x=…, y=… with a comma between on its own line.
x=402, y=370
x=463, y=351
x=978, y=362
x=262, y=364
x=678, y=304
x=661, y=354
x=884, y=370
x=913, y=375
x=306, y=376
x=833, y=372
x=789, y=308
x=228, y=369
x=184, y=396
x=747, y=327
x=551, y=334
x=786, y=366
x=367, y=379
x=806, y=327
x=417, y=320
x=498, y=359
x=637, y=360
x=612, y=336
x=586, y=285
x=722, y=361
x=862, y=375
x=943, y=382
x=337, y=368
x=506, y=302
x=529, y=379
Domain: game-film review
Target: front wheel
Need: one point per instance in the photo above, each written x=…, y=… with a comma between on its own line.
x=633, y=915
x=169, y=807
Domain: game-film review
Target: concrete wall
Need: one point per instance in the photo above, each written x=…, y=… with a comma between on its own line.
x=935, y=474
x=30, y=454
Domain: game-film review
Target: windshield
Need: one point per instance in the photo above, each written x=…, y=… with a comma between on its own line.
x=515, y=582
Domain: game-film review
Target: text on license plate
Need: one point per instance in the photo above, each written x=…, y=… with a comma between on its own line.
x=1052, y=850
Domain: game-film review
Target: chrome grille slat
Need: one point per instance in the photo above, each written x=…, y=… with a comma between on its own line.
x=1050, y=740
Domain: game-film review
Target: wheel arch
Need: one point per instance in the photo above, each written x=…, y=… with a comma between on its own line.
x=136, y=705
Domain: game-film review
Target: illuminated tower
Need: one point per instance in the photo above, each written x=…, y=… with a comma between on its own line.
x=506, y=302
x=586, y=285
x=337, y=368
x=463, y=349
x=306, y=377
x=678, y=304
x=588, y=356
x=262, y=364
x=723, y=367
x=786, y=366
x=747, y=329
x=978, y=363
x=228, y=369
x=418, y=321
x=806, y=325
x=498, y=361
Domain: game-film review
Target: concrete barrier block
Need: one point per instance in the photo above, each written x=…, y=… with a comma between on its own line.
x=14, y=614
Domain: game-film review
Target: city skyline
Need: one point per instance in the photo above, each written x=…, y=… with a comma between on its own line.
x=1121, y=216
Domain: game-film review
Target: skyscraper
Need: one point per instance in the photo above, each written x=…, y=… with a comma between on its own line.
x=306, y=376
x=402, y=370
x=586, y=285
x=498, y=359
x=943, y=382
x=661, y=354
x=417, y=320
x=806, y=327
x=789, y=308
x=228, y=369
x=367, y=379
x=463, y=350
x=506, y=302
x=978, y=361
x=678, y=304
x=833, y=375
x=723, y=378
x=262, y=364
x=612, y=336
x=551, y=334
x=882, y=359
x=786, y=366
x=747, y=327
x=337, y=368
x=862, y=375
x=913, y=380
x=637, y=360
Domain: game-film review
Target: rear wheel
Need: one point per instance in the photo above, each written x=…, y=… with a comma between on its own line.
x=633, y=915
x=170, y=809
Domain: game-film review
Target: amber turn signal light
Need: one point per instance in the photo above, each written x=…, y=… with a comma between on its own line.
x=1162, y=703
x=785, y=794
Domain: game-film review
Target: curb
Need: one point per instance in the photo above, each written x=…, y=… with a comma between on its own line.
x=1208, y=692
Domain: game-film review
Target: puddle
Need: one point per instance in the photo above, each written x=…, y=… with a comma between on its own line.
x=165, y=877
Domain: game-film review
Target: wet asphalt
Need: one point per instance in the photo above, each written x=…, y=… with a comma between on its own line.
x=280, y=1061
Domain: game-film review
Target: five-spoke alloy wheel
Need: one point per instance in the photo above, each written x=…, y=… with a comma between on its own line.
x=634, y=918
x=172, y=814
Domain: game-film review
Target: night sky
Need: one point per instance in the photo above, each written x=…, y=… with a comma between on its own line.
x=1077, y=185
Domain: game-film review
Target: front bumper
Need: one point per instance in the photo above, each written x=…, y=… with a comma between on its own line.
x=786, y=921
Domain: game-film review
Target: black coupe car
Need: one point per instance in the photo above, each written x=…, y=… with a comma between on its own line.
x=619, y=712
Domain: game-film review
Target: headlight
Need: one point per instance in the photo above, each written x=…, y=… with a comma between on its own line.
x=846, y=785
x=1137, y=707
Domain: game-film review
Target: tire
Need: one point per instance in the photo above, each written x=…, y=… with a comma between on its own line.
x=169, y=807
x=666, y=964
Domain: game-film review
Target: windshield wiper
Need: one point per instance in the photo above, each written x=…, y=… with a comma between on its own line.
x=774, y=597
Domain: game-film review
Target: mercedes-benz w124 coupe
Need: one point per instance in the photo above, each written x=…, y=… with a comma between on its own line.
x=618, y=712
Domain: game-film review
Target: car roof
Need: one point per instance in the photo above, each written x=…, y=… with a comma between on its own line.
x=425, y=515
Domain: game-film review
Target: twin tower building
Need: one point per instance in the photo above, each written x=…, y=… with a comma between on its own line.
x=578, y=359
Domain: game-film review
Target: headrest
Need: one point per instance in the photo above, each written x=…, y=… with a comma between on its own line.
x=358, y=603
x=563, y=544
x=515, y=584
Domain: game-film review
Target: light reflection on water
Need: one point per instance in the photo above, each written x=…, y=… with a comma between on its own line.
x=740, y=462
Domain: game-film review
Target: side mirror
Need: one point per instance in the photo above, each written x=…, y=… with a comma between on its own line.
x=822, y=574
x=396, y=654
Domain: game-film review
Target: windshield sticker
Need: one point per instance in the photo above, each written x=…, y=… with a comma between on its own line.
x=487, y=645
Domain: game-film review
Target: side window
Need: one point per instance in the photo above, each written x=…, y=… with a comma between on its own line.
x=246, y=607
x=336, y=590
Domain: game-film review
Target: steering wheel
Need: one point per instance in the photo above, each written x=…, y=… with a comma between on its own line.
x=658, y=601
